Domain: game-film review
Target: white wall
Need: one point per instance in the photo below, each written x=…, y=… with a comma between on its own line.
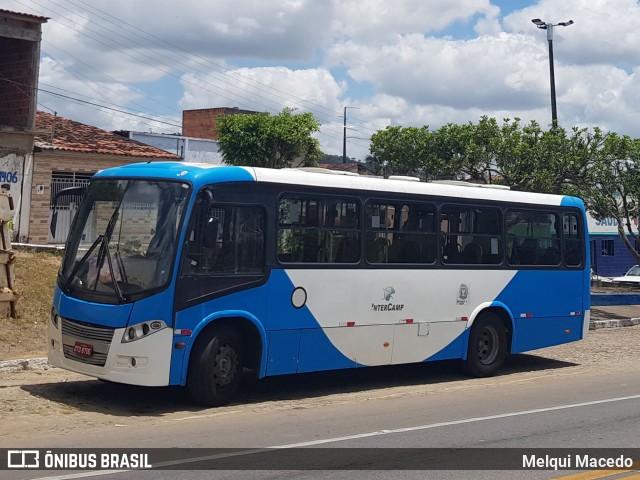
x=187, y=148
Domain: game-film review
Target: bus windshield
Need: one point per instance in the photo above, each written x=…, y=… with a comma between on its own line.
x=123, y=240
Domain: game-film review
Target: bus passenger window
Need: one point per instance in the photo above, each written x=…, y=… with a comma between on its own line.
x=318, y=230
x=472, y=235
x=400, y=233
x=572, y=240
x=534, y=238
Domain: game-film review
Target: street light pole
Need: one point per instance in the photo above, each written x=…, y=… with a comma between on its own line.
x=549, y=28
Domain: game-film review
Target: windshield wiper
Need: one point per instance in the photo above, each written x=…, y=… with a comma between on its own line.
x=82, y=261
x=103, y=241
x=114, y=280
x=104, y=253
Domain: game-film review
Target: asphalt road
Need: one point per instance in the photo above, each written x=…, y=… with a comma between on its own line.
x=583, y=395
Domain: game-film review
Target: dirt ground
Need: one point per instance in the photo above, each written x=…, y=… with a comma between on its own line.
x=36, y=403
x=35, y=276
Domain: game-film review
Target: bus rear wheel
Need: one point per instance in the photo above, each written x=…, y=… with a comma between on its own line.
x=487, y=346
x=215, y=367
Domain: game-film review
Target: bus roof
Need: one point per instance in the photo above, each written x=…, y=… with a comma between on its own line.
x=200, y=174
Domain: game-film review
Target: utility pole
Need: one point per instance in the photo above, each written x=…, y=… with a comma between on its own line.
x=344, y=136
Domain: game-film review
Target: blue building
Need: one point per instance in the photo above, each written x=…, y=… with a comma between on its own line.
x=610, y=257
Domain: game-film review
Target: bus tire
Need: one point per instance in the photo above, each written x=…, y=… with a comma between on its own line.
x=215, y=367
x=487, y=346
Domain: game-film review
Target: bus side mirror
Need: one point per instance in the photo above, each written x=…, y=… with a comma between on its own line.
x=210, y=233
x=54, y=222
x=75, y=191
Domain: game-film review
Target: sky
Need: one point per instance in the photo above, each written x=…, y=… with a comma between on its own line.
x=136, y=65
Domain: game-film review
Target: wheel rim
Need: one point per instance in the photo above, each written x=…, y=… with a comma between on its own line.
x=226, y=366
x=487, y=345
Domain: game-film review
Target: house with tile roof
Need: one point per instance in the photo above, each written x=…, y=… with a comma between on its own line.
x=41, y=153
x=20, y=36
x=66, y=154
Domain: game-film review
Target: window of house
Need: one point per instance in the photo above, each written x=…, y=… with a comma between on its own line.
x=608, y=248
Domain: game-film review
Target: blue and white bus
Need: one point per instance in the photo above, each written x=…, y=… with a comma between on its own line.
x=184, y=274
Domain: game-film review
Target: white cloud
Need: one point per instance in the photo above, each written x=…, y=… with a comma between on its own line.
x=266, y=89
x=376, y=22
x=271, y=89
x=605, y=31
x=484, y=72
x=58, y=89
x=406, y=62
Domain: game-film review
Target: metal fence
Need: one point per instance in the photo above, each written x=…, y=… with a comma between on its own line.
x=67, y=205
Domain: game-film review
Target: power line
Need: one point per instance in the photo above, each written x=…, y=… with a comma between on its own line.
x=203, y=84
x=120, y=24
x=91, y=82
x=80, y=101
x=108, y=108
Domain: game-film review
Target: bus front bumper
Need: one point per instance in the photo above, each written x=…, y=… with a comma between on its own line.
x=143, y=362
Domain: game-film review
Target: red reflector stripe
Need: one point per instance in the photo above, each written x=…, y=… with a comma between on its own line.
x=409, y=320
x=179, y=331
x=351, y=324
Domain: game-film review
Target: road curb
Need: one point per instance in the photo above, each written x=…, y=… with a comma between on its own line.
x=25, y=364
x=43, y=364
x=624, y=322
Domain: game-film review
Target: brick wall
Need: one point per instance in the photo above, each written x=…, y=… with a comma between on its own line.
x=18, y=69
x=44, y=165
x=202, y=123
x=139, y=224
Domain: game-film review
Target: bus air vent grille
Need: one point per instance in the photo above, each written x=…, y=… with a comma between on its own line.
x=85, y=331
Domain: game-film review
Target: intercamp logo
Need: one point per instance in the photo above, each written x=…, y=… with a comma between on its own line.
x=23, y=458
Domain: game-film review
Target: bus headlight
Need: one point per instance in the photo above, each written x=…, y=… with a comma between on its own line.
x=142, y=330
x=55, y=318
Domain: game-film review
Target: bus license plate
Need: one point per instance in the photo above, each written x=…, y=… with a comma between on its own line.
x=83, y=349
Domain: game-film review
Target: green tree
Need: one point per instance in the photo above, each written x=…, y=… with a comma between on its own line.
x=467, y=151
x=402, y=151
x=612, y=186
x=264, y=140
x=601, y=168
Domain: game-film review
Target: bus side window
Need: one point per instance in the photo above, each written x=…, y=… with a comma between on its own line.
x=201, y=237
x=230, y=240
x=451, y=252
x=572, y=240
x=471, y=235
x=317, y=229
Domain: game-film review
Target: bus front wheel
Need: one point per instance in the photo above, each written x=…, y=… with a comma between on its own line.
x=487, y=346
x=215, y=367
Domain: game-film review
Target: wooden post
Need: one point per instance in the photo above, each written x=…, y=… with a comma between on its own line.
x=8, y=295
